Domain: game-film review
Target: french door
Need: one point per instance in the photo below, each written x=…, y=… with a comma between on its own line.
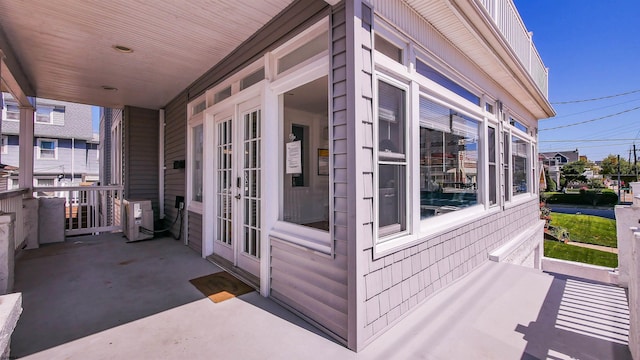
x=238, y=185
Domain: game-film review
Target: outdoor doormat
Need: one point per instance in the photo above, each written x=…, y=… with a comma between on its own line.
x=220, y=286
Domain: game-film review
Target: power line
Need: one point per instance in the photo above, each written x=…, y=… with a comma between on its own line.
x=594, y=99
x=586, y=140
x=590, y=110
x=592, y=120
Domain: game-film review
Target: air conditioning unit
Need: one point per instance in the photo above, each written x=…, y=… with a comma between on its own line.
x=137, y=220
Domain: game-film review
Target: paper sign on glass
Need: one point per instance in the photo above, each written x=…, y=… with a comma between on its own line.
x=294, y=157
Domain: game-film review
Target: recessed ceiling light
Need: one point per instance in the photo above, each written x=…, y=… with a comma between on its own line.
x=109, y=88
x=122, y=49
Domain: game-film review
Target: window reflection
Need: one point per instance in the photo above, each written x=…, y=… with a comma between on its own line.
x=448, y=160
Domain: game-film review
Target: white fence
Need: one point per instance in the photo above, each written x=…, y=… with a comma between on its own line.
x=505, y=15
x=11, y=202
x=88, y=209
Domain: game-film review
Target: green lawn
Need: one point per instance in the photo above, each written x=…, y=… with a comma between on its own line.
x=558, y=250
x=587, y=229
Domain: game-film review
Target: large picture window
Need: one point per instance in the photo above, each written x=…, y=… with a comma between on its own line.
x=392, y=160
x=305, y=188
x=448, y=160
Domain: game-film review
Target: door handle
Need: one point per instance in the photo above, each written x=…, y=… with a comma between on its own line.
x=237, y=196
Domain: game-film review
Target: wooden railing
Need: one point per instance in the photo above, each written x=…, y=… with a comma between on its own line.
x=11, y=202
x=508, y=20
x=87, y=209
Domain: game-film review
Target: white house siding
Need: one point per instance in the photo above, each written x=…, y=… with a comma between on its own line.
x=396, y=283
x=314, y=284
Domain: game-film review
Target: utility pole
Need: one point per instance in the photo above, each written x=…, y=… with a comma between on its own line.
x=618, y=179
x=635, y=161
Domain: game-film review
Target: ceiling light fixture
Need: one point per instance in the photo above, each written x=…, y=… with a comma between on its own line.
x=123, y=49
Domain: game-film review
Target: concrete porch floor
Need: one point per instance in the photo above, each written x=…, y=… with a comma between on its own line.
x=98, y=297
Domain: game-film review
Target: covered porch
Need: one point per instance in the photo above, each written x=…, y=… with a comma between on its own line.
x=100, y=297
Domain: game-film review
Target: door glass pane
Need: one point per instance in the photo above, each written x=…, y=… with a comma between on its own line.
x=224, y=188
x=251, y=183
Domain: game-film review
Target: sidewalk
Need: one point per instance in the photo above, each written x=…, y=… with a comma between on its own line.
x=595, y=247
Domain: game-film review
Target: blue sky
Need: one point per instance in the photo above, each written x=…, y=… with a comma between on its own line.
x=95, y=117
x=592, y=50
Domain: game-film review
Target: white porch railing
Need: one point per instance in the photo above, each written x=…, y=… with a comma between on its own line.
x=11, y=202
x=508, y=20
x=88, y=209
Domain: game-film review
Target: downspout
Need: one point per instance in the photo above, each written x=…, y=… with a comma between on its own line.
x=161, y=166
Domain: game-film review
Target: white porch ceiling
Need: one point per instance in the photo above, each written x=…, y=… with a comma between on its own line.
x=66, y=50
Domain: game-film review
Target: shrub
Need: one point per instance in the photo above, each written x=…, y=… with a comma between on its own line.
x=585, y=197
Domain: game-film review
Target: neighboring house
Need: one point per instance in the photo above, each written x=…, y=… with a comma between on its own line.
x=65, y=148
x=349, y=159
x=555, y=160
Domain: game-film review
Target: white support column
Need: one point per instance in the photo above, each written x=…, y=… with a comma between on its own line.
x=25, y=179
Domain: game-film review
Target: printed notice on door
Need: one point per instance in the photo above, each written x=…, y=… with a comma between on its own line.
x=294, y=157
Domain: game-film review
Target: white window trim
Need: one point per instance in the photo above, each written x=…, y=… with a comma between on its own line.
x=393, y=241
x=194, y=121
x=271, y=70
x=55, y=144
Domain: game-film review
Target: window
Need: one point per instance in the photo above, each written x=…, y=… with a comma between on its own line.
x=492, y=159
x=392, y=160
x=305, y=189
x=518, y=125
x=13, y=112
x=387, y=48
x=5, y=144
x=519, y=168
x=435, y=76
x=448, y=160
x=45, y=182
x=252, y=79
x=222, y=94
x=197, y=163
x=43, y=114
x=308, y=50
x=47, y=149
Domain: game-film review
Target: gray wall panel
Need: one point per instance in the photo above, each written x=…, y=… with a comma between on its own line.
x=175, y=149
x=141, y=155
x=195, y=231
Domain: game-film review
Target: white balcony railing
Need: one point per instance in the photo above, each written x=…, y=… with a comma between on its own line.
x=508, y=20
x=88, y=209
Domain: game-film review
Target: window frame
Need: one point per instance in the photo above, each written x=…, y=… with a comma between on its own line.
x=418, y=85
x=55, y=148
x=309, y=70
x=195, y=120
x=510, y=130
x=408, y=233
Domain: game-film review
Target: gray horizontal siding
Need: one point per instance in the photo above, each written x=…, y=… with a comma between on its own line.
x=195, y=231
x=141, y=155
x=175, y=143
x=311, y=284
